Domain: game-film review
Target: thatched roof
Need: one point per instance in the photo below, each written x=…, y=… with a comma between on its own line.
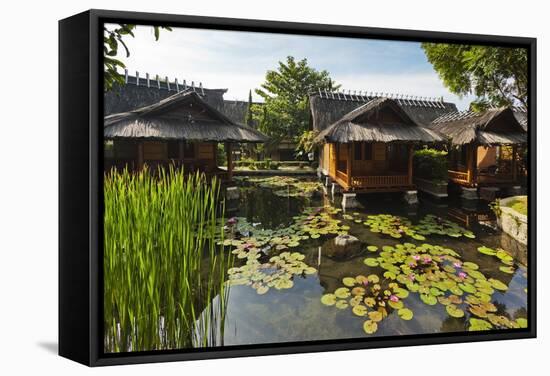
x=327, y=108
x=491, y=127
x=380, y=120
x=139, y=92
x=182, y=116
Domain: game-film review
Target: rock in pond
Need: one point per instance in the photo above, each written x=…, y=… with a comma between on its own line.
x=342, y=247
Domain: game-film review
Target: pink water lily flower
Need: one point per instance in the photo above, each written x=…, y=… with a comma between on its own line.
x=412, y=264
x=462, y=275
x=394, y=298
x=232, y=220
x=412, y=277
x=457, y=264
x=416, y=257
x=427, y=259
x=365, y=282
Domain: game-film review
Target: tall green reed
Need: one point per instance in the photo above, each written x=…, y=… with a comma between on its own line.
x=163, y=272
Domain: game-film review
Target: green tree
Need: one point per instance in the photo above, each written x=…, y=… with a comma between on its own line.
x=497, y=76
x=285, y=112
x=113, y=38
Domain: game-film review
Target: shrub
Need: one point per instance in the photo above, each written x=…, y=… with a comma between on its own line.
x=431, y=164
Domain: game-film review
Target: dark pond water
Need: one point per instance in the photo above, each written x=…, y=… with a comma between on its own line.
x=297, y=314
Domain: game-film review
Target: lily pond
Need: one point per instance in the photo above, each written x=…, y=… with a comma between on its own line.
x=304, y=269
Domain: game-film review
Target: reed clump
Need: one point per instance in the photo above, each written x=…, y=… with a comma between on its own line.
x=163, y=272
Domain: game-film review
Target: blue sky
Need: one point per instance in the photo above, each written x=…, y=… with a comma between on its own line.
x=238, y=61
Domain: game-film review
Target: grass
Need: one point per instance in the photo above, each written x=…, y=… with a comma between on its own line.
x=163, y=272
x=519, y=205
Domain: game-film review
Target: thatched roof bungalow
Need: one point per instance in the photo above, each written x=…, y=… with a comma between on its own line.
x=182, y=129
x=367, y=141
x=484, y=145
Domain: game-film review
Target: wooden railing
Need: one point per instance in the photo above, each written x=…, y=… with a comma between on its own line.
x=341, y=175
x=379, y=181
x=459, y=176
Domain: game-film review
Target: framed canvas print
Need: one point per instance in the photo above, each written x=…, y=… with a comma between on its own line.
x=240, y=187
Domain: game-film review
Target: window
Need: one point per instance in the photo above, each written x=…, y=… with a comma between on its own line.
x=188, y=151
x=173, y=150
x=368, y=152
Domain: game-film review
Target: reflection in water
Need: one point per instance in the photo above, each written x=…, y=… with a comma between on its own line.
x=297, y=314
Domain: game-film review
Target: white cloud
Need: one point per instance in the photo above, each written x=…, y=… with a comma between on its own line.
x=239, y=61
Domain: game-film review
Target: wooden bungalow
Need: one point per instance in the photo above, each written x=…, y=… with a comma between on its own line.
x=370, y=149
x=485, y=146
x=182, y=130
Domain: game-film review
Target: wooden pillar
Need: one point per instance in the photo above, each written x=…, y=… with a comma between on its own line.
x=514, y=163
x=229, y=160
x=348, y=164
x=215, y=154
x=410, y=167
x=140, y=155
x=473, y=164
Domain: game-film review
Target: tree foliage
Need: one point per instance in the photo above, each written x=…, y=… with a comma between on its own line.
x=285, y=112
x=305, y=142
x=497, y=76
x=113, y=38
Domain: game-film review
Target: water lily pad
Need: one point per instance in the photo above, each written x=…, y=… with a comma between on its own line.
x=498, y=285
x=328, y=299
x=361, y=279
x=506, y=269
x=370, y=302
x=342, y=293
x=454, y=311
x=470, y=265
x=405, y=314
x=262, y=290
x=395, y=305
x=478, y=311
x=349, y=281
x=283, y=283
x=372, y=248
x=486, y=251
x=371, y=262
x=467, y=287
x=342, y=304
x=358, y=291
x=478, y=324
x=376, y=316
x=373, y=278
x=504, y=256
x=370, y=327
x=401, y=293
x=359, y=310
x=522, y=323
x=428, y=299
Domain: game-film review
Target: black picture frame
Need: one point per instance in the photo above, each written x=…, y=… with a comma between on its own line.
x=80, y=186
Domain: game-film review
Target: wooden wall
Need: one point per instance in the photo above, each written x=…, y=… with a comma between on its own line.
x=377, y=164
x=155, y=151
x=486, y=156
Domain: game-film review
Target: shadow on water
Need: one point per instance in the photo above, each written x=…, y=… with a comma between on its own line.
x=297, y=314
